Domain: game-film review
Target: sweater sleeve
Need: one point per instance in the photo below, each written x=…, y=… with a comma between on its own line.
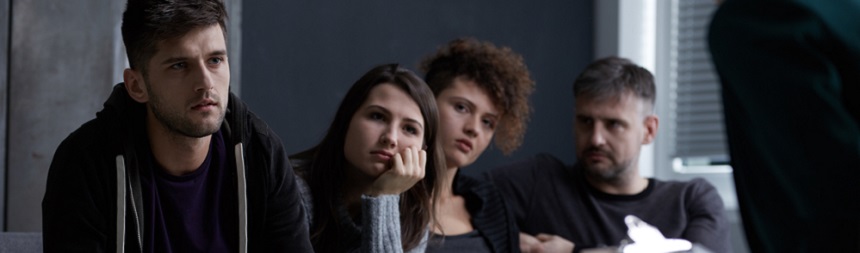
x=707, y=225
x=381, y=222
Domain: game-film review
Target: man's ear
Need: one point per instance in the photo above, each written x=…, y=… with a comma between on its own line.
x=134, y=85
x=652, y=122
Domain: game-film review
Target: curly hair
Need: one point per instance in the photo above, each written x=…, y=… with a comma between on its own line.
x=497, y=70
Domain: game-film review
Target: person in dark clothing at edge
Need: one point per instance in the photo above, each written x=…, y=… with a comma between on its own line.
x=790, y=75
x=174, y=162
x=482, y=92
x=586, y=203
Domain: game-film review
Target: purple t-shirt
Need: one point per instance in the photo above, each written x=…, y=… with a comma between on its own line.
x=194, y=212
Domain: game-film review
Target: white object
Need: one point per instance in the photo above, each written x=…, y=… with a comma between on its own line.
x=647, y=238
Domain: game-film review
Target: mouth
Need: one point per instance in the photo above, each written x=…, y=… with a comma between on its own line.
x=596, y=155
x=206, y=104
x=464, y=145
x=382, y=155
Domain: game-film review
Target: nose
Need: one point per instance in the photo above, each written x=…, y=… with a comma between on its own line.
x=472, y=126
x=596, y=136
x=203, y=78
x=388, y=138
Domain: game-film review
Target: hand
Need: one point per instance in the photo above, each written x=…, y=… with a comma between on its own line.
x=407, y=168
x=554, y=243
x=530, y=244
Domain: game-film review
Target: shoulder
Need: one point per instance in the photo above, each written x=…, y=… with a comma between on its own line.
x=482, y=193
x=301, y=165
x=261, y=145
x=694, y=184
x=259, y=130
x=696, y=191
x=490, y=212
x=465, y=181
x=702, y=189
x=304, y=190
x=471, y=187
x=245, y=124
x=265, y=158
x=84, y=163
x=694, y=187
x=90, y=141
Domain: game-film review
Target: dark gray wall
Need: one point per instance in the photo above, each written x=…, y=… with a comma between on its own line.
x=300, y=57
x=4, y=77
x=63, y=62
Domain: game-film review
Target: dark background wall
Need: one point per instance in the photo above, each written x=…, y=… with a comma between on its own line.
x=63, y=58
x=300, y=58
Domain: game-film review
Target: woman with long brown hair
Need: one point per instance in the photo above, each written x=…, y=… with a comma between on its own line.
x=366, y=184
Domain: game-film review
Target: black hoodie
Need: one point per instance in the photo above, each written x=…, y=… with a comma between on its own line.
x=86, y=210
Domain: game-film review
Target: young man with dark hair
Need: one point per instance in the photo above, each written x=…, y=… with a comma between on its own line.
x=586, y=203
x=174, y=162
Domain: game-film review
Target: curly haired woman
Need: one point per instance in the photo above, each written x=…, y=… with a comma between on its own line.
x=482, y=92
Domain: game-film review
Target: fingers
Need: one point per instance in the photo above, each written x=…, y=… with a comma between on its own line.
x=544, y=237
x=413, y=161
x=422, y=161
x=407, y=168
x=554, y=243
x=409, y=160
x=530, y=244
x=404, y=162
x=397, y=164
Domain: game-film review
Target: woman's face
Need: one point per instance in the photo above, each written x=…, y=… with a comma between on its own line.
x=387, y=123
x=468, y=120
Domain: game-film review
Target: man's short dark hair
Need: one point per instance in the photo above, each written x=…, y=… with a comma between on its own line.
x=611, y=77
x=147, y=22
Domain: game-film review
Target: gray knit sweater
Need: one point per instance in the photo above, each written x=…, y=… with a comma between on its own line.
x=381, y=217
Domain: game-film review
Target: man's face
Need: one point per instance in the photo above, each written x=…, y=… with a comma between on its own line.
x=609, y=134
x=188, y=81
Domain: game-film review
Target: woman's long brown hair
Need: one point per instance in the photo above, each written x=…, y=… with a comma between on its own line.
x=325, y=173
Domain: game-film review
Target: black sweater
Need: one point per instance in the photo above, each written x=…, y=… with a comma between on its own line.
x=490, y=214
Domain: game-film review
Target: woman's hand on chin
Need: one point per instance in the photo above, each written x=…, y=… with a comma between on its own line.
x=407, y=168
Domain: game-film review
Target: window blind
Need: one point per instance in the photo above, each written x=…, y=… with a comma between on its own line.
x=696, y=102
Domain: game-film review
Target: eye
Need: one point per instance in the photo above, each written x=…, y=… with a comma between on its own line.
x=584, y=120
x=179, y=66
x=461, y=108
x=216, y=60
x=489, y=123
x=614, y=124
x=411, y=129
x=376, y=116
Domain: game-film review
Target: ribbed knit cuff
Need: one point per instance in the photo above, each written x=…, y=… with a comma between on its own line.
x=380, y=224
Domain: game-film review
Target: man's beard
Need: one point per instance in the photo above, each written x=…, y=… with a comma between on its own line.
x=175, y=123
x=609, y=174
